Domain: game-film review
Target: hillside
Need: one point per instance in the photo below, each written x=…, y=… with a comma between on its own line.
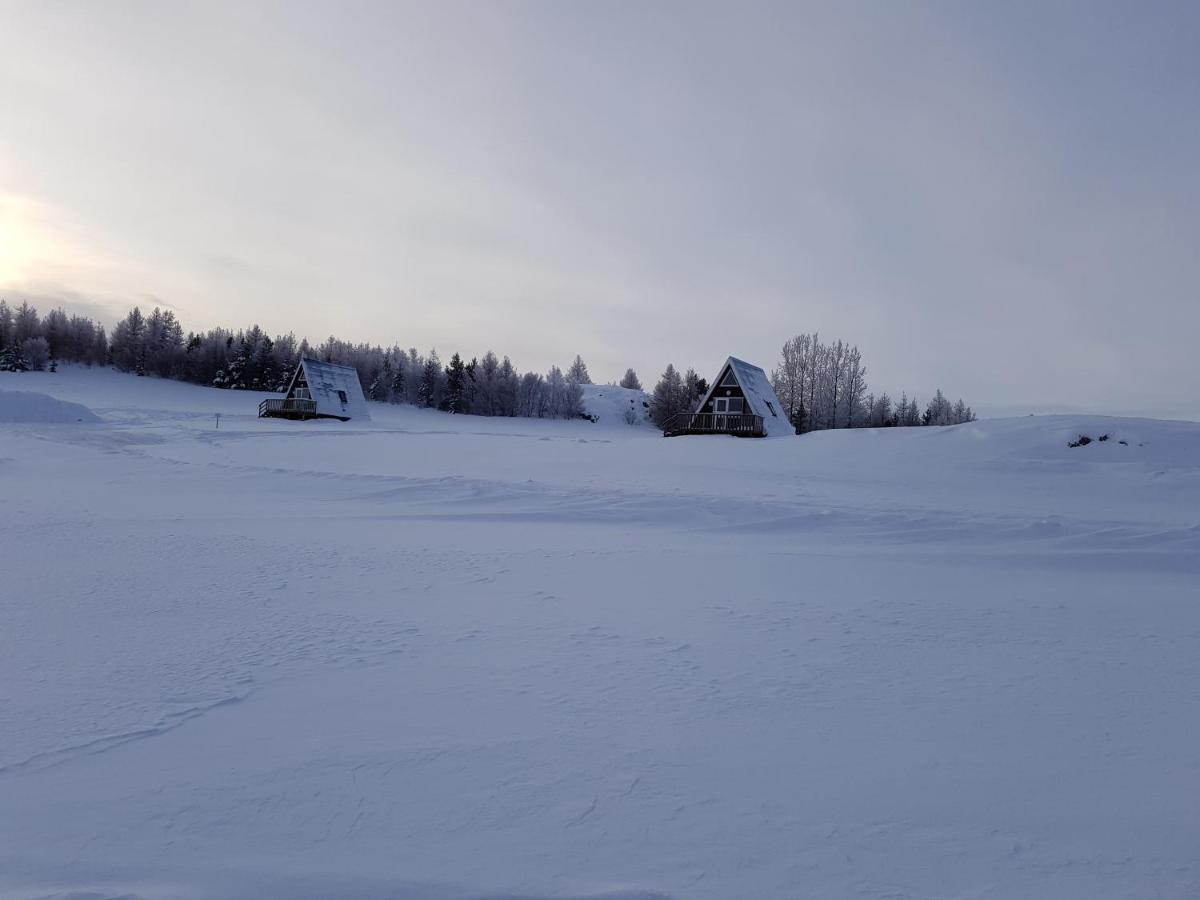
x=435, y=656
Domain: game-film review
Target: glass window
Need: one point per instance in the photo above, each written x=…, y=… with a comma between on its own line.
x=729, y=380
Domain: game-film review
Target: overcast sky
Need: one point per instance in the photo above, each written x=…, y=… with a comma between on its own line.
x=997, y=198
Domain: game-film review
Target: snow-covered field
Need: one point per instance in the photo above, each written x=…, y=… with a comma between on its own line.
x=451, y=657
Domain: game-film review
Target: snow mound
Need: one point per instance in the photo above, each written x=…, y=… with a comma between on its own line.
x=608, y=404
x=27, y=406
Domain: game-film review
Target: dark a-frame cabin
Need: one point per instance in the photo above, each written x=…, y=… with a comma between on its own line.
x=319, y=390
x=739, y=402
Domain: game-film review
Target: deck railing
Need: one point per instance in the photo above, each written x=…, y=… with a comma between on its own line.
x=714, y=423
x=287, y=409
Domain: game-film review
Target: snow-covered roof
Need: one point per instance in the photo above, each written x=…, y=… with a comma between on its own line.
x=329, y=383
x=760, y=396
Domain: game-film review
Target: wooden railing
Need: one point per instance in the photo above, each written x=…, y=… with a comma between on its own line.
x=714, y=423
x=288, y=409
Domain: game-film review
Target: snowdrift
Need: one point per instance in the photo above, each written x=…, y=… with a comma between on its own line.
x=608, y=404
x=1036, y=441
x=30, y=407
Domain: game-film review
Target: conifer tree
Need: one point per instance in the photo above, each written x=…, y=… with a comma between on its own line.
x=578, y=372
x=669, y=398
x=455, y=377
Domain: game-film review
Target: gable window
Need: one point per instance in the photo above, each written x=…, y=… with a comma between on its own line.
x=729, y=380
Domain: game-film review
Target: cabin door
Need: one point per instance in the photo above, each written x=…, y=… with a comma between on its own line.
x=723, y=407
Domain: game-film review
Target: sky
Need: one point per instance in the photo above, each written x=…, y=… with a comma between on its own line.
x=1001, y=200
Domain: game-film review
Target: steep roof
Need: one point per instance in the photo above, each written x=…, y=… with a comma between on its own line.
x=760, y=396
x=325, y=380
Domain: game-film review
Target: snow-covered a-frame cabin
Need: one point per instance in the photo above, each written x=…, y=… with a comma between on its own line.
x=319, y=390
x=740, y=401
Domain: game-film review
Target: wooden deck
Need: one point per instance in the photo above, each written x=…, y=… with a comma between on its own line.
x=713, y=423
x=287, y=409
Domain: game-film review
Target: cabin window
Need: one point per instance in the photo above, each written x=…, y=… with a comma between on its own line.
x=303, y=394
x=728, y=406
x=342, y=396
x=729, y=380
x=771, y=408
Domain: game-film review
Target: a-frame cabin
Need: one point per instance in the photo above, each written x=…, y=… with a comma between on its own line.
x=740, y=401
x=319, y=390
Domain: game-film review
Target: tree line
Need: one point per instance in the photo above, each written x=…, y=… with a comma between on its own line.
x=824, y=386
x=250, y=359
x=821, y=385
x=28, y=341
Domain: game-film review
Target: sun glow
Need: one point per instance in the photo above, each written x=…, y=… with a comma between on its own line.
x=19, y=244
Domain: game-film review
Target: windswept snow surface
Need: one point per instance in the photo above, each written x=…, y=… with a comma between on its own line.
x=446, y=657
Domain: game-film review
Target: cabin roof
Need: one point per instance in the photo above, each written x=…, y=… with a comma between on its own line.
x=760, y=396
x=325, y=380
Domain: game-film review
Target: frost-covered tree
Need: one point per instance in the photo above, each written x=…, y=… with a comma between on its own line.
x=36, y=352
x=630, y=380
x=939, y=411
x=508, y=385
x=6, y=325
x=456, y=376
x=163, y=344
x=825, y=386
x=855, y=389
x=564, y=399
x=486, y=401
x=399, y=379
x=790, y=379
x=381, y=386
x=129, y=343
x=429, y=391
x=26, y=323
x=669, y=397
x=531, y=396
x=692, y=389
x=578, y=372
x=56, y=330
x=881, y=414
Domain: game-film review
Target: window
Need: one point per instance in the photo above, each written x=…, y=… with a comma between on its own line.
x=732, y=406
x=771, y=408
x=729, y=380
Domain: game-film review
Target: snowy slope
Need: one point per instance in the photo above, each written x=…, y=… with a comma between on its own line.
x=435, y=656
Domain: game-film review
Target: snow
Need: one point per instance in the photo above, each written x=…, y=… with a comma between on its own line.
x=27, y=406
x=607, y=405
x=434, y=656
